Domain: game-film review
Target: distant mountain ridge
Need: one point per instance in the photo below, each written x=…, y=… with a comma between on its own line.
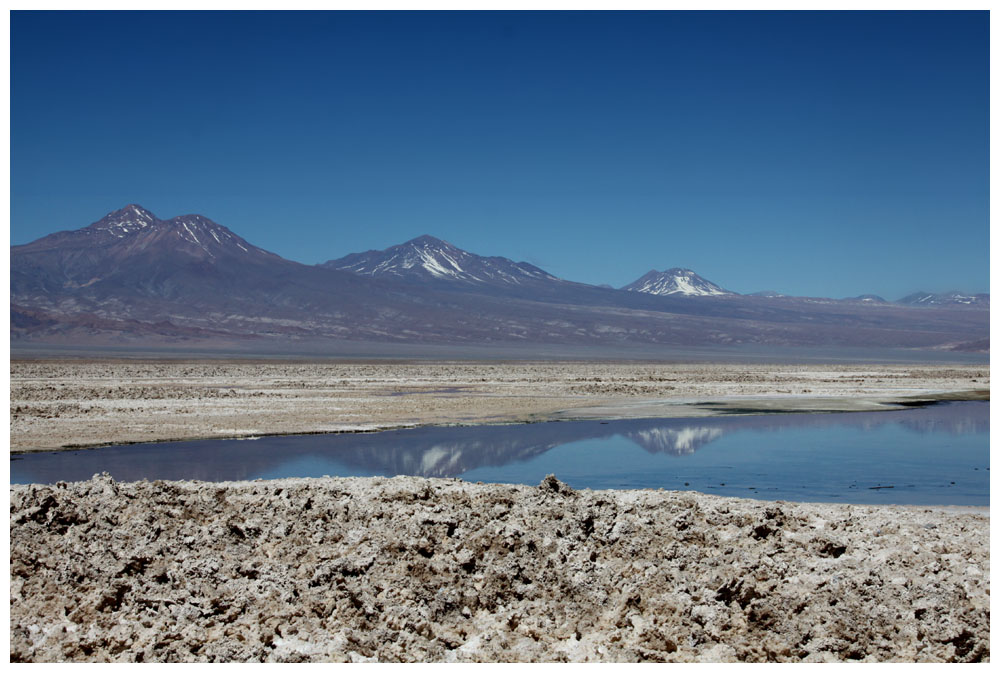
x=133, y=277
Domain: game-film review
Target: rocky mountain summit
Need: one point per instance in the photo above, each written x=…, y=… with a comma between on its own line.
x=679, y=282
x=868, y=299
x=953, y=298
x=131, y=250
x=133, y=230
x=427, y=258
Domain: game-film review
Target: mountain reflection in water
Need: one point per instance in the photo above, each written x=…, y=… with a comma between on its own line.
x=677, y=441
x=596, y=451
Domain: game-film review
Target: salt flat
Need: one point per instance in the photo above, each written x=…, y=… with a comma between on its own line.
x=412, y=569
x=56, y=404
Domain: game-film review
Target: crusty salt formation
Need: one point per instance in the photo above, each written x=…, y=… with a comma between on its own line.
x=411, y=569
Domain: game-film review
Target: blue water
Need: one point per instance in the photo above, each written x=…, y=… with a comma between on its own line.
x=935, y=455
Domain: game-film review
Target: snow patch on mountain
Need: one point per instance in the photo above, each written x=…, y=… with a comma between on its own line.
x=133, y=228
x=431, y=258
x=130, y=219
x=867, y=299
x=677, y=281
x=946, y=299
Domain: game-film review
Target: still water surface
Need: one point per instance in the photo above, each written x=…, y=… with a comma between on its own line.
x=932, y=455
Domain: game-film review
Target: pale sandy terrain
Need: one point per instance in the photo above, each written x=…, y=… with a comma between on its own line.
x=412, y=569
x=58, y=404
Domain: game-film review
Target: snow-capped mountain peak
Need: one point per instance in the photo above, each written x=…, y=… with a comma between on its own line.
x=127, y=220
x=208, y=235
x=953, y=298
x=430, y=258
x=868, y=299
x=677, y=281
x=134, y=230
x=436, y=257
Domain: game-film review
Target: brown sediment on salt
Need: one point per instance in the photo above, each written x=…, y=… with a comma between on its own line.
x=412, y=569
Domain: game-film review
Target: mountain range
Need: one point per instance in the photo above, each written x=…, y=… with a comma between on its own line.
x=131, y=277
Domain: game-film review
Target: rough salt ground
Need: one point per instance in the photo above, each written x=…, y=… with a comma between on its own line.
x=411, y=569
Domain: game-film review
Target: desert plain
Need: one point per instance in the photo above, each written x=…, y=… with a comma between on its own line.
x=412, y=569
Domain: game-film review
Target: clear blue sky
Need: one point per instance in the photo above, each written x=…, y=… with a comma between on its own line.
x=812, y=153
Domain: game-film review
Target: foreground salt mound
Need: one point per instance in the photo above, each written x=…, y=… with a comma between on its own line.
x=411, y=569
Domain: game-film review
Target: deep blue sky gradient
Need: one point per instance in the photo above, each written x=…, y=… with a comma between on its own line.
x=813, y=153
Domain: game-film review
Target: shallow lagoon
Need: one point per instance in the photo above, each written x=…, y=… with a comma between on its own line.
x=934, y=455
